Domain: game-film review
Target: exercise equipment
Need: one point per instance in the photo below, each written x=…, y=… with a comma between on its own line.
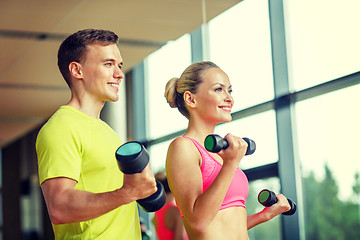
x=267, y=198
x=132, y=158
x=215, y=143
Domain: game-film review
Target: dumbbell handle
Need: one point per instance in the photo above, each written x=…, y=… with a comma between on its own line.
x=132, y=158
x=215, y=143
x=268, y=198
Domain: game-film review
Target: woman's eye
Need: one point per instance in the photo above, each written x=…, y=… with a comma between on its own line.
x=218, y=89
x=230, y=91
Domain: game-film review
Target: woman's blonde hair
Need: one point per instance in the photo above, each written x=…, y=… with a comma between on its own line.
x=188, y=81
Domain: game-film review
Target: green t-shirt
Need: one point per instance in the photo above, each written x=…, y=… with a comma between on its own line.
x=74, y=145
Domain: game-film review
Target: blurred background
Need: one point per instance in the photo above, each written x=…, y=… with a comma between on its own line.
x=295, y=71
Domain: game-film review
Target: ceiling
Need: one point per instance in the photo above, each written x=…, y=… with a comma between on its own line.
x=31, y=87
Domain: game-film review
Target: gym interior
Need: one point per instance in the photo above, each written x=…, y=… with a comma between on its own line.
x=294, y=66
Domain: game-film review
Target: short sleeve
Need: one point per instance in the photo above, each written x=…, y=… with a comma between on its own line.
x=59, y=152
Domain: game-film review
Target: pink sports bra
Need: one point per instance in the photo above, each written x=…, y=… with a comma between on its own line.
x=210, y=168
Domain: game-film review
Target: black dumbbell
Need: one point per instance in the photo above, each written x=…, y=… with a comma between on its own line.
x=215, y=143
x=132, y=158
x=267, y=198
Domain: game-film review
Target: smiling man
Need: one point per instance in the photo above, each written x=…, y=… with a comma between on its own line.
x=86, y=194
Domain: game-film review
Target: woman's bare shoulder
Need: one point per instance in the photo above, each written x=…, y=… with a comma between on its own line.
x=182, y=149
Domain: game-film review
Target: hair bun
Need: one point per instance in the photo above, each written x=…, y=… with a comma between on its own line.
x=170, y=92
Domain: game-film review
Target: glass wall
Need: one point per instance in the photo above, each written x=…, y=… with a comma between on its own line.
x=166, y=63
x=321, y=45
x=272, y=229
x=322, y=40
x=262, y=129
x=328, y=133
x=239, y=42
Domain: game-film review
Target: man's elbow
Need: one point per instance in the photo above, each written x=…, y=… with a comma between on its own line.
x=58, y=216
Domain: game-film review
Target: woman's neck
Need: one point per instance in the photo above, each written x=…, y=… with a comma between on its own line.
x=199, y=130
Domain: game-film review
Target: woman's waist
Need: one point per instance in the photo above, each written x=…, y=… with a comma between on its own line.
x=229, y=223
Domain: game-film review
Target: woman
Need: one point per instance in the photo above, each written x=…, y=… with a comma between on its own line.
x=209, y=188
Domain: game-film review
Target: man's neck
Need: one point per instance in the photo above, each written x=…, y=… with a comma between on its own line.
x=91, y=109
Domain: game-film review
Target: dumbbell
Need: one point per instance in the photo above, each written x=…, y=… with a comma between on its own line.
x=132, y=157
x=267, y=198
x=215, y=143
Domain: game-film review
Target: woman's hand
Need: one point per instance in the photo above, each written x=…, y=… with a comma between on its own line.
x=236, y=150
x=281, y=206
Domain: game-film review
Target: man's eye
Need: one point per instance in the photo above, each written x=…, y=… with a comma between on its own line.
x=108, y=64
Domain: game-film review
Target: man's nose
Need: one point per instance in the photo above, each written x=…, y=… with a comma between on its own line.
x=119, y=73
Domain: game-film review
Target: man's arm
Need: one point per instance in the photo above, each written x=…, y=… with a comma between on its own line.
x=66, y=204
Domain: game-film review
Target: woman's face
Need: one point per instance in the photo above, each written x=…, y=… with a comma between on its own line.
x=213, y=99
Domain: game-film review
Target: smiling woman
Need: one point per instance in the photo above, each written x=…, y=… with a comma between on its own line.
x=214, y=206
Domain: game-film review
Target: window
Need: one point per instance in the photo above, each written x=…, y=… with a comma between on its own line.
x=328, y=133
x=322, y=40
x=271, y=229
x=262, y=129
x=320, y=47
x=239, y=42
x=157, y=154
x=168, y=62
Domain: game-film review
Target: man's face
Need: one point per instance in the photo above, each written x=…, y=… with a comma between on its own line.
x=101, y=72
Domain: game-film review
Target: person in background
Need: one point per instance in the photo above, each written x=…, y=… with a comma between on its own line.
x=86, y=194
x=209, y=188
x=145, y=233
x=167, y=220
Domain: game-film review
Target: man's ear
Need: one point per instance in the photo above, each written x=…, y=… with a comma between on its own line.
x=75, y=70
x=189, y=99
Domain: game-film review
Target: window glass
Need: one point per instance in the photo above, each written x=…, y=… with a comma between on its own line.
x=157, y=155
x=322, y=40
x=262, y=129
x=328, y=147
x=168, y=62
x=269, y=230
x=239, y=41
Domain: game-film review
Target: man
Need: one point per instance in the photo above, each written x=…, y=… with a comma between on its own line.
x=86, y=194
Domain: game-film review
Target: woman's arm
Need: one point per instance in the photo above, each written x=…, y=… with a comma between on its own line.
x=269, y=212
x=185, y=180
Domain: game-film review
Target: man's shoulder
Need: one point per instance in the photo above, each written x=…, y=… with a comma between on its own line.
x=60, y=122
x=65, y=117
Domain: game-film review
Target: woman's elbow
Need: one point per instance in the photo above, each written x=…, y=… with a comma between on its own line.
x=197, y=225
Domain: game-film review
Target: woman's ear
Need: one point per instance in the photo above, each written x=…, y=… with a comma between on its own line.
x=75, y=70
x=189, y=99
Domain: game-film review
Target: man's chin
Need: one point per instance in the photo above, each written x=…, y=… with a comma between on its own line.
x=114, y=99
